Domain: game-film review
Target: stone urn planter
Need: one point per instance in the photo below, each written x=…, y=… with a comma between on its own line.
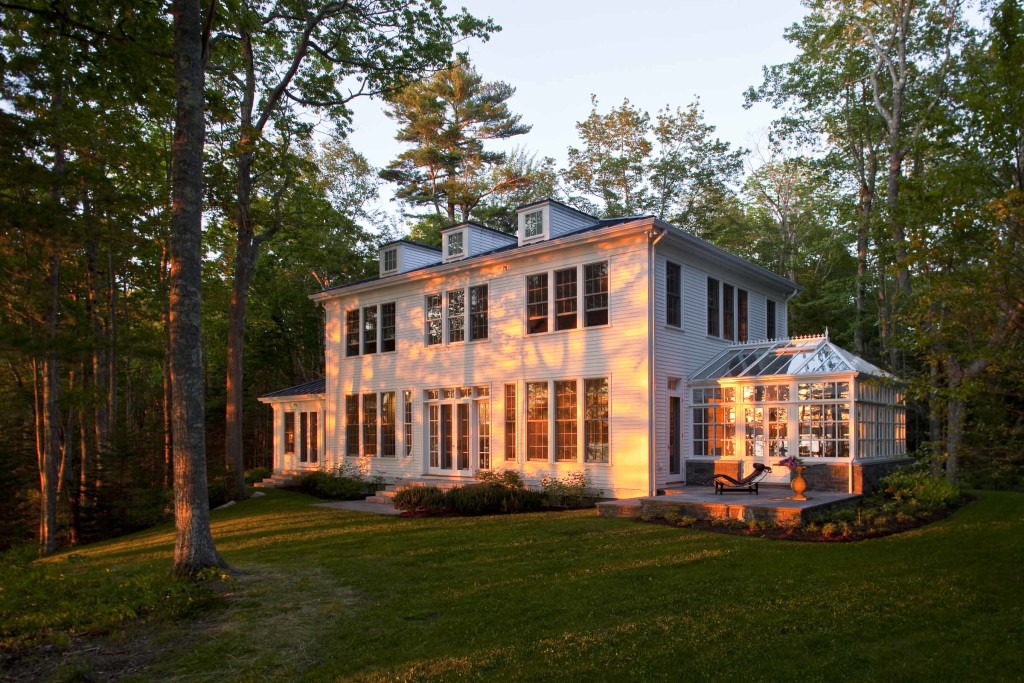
x=798, y=483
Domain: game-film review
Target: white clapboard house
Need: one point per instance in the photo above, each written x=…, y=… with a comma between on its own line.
x=625, y=347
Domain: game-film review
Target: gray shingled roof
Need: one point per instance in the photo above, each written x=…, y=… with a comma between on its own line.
x=317, y=386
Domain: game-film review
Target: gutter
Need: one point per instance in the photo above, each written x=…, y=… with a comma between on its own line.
x=652, y=481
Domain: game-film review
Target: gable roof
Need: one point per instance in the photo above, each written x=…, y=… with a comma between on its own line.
x=812, y=355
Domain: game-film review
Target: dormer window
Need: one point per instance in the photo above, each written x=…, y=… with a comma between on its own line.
x=390, y=260
x=533, y=224
x=455, y=245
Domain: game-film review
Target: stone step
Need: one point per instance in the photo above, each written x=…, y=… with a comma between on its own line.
x=379, y=499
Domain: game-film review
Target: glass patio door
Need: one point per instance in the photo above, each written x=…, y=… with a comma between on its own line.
x=448, y=446
x=766, y=439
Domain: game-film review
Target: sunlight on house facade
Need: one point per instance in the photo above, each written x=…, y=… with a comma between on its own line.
x=616, y=346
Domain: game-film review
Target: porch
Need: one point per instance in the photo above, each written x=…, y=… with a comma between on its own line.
x=772, y=505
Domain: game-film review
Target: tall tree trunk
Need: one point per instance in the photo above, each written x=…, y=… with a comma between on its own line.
x=166, y=367
x=245, y=264
x=100, y=411
x=935, y=416
x=50, y=461
x=194, y=549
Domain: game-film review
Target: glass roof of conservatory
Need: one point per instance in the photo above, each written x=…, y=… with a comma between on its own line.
x=797, y=356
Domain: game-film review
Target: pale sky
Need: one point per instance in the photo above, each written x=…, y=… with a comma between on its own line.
x=655, y=52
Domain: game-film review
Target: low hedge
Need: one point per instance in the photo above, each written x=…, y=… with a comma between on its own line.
x=486, y=498
x=336, y=486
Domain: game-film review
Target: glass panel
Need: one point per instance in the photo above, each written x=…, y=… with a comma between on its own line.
x=369, y=424
x=314, y=437
x=565, y=299
x=352, y=333
x=674, y=459
x=289, y=432
x=387, y=327
x=673, y=295
x=483, y=447
x=370, y=329
x=434, y=420
x=510, y=422
x=533, y=224
x=352, y=425
x=713, y=294
x=407, y=412
x=434, y=323
x=387, y=424
x=478, y=312
x=462, y=444
x=303, y=431
x=446, y=436
x=456, y=315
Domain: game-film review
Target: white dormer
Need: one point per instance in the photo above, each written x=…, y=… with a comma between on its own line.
x=453, y=244
x=403, y=256
x=547, y=218
x=471, y=239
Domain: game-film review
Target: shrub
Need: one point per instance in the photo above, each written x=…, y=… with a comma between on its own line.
x=920, y=490
x=426, y=498
x=676, y=517
x=338, y=485
x=507, y=478
x=575, y=490
x=257, y=474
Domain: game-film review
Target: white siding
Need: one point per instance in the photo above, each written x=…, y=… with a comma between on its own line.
x=412, y=256
x=617, y=351
x=482, y=240
x=565, y=220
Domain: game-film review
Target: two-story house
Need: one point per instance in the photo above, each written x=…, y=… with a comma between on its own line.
x=618, y=346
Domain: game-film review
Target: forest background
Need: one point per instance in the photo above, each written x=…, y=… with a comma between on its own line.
x=890, y=186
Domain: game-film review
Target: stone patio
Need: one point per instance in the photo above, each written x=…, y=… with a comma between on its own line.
x=772, y=505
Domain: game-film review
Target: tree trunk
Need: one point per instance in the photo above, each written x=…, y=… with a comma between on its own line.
x=245, y=264
x=166, y=366
x=50, y=462
x=194, y=549
x=955, y=411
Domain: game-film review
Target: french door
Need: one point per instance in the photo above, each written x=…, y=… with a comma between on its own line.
x=448, y=439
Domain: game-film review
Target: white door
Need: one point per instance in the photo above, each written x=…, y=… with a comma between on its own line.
x=766, y=437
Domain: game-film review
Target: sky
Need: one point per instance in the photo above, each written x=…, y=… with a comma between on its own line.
x=654, y=52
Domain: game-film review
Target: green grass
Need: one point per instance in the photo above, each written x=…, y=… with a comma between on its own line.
x=332, y=595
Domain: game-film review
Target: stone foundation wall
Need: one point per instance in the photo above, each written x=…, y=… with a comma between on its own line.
x=835, y=476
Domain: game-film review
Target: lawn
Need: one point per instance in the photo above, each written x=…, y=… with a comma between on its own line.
x=332, y=595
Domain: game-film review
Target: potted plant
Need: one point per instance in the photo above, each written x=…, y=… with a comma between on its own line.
x=797, y=481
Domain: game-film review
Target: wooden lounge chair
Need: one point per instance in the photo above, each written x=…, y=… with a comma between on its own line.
x=724, y=483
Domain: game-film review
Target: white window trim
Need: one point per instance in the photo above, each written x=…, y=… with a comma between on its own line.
x=465, y=317
x=581, y=445
x=545, y=222
x=384, y=260
x=448, y=257
x=362, y=330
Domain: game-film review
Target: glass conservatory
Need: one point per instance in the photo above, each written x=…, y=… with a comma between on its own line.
x=760, y=402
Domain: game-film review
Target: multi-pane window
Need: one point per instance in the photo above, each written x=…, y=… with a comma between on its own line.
x=484, y=433
x=537, y=303
x=387, y=327
x=434, y=431
x=370, y=329
x=369, y=424
x=510, y=422
x=728, y=311
x=537, y=421
x=741, y=315
x=478, y=312
x=352, y=333
x=434, y=321
x=352, y=425
x=673, y=294
x=595, y=296
x=289, y=432
x=456, y=315
x=390, y=260
x=456, y=244
x=407, y=427
x=311, y=438
x=824, y=414
x=770, y=315
x=595, y=420
x=674, y=459
x=303, y=430
x=387, y=424
x=565, y=421
x=714, y=421
x=565, y=299
x=533, y=224
x=713, y=293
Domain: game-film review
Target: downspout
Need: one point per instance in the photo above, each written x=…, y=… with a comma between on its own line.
x=653, y=237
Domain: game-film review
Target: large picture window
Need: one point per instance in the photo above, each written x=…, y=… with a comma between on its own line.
x=673, y=295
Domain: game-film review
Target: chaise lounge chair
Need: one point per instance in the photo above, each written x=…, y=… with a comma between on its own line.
x=724, y=483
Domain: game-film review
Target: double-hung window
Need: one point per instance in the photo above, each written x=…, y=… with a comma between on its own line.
x=407, y=426
x=352, y=425
x=537, y=303
x=434, y=321
x=478, y=312
x=673, y=294
x=387, y=424
x=595, y=420
x=713, y=312
x=565, y=421
x=565, y=299
x=387, y=327
x=370, y=329
x=742, y=328
x=511, y=429
x=533, y=224
x=728, y=312
x=537, y=421
x=770, y=315
x=595, y=299
x=369, y=424
x=352, y=333
x=456, y=315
